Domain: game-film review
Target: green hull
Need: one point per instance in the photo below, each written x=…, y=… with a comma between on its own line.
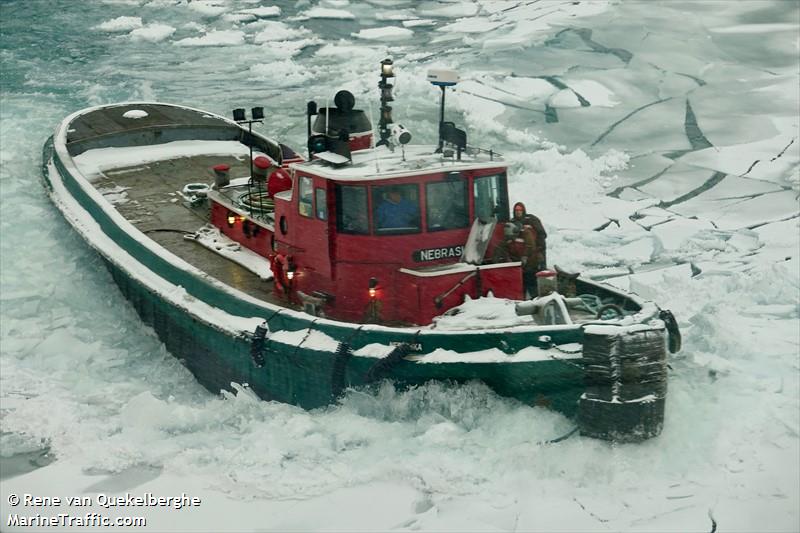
x=309, y=378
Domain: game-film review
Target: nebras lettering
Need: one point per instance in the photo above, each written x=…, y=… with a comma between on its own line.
x=433, y=254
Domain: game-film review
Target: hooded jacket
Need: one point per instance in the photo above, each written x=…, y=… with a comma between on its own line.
x=535, y=235
x=532, y=221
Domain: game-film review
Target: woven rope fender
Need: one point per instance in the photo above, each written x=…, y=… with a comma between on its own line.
x=257, y=344
x=625, y=370
x=383, y=367
x=338, y=374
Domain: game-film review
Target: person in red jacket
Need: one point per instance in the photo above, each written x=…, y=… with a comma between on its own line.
x=532, y=232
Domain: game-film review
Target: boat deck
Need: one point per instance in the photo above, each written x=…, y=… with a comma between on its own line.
x=149, y=196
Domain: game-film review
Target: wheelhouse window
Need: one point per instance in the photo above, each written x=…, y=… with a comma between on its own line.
x=305, y=194
x=321, y=200
x=351, y=209
x=446, y=204
x=491, y=198
x=395, y=209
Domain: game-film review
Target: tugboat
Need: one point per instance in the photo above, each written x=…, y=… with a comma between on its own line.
x=370, y=258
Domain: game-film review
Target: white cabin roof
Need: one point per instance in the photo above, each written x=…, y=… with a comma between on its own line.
x=382, y=163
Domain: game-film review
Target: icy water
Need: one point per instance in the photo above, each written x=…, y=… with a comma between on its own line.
x=657, y=141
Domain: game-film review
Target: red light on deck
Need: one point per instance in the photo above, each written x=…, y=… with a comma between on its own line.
x=231, y=219
x=373, y=287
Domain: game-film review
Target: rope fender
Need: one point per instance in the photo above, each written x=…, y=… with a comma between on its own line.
x=341, y=357
x=385, y=365
x=258, y=343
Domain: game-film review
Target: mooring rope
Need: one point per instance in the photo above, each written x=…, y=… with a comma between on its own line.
x=561, y=438
x=305, y=338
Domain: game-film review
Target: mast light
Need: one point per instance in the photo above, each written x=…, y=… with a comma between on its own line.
x=387, y=71
x=387, y=68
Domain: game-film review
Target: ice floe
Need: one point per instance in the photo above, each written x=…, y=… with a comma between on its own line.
x=448, y=10
x=284, y=73
x=416, y=23
x=208, y=8
x=328, y=13
x=262, y=12
x=120, y=24
x=470, y=25
x=278, y=31
x=153, y=33
x=388, y=33
x=214, y=38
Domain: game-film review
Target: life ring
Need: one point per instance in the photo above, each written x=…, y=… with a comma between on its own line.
x=674, y=340
x=279, y=264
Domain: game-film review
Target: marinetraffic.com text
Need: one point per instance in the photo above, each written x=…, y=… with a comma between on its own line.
x=29, y=510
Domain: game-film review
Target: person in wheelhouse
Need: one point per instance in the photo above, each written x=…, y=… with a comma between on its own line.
x=395, y=211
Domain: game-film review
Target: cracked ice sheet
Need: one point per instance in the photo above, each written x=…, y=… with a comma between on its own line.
x=770, y=207
x=730, y=191
x=533, y=21
x=521, y=91
x=776, y=159
x=780, y=239
x=675, y=182
x=650, y=284
x=603, y=254
x=470, y=25
x=597, y=94
x=767, y=105
x=660, y=125
x=641, y=168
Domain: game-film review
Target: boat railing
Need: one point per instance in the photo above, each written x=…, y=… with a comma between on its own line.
x=149, y=135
